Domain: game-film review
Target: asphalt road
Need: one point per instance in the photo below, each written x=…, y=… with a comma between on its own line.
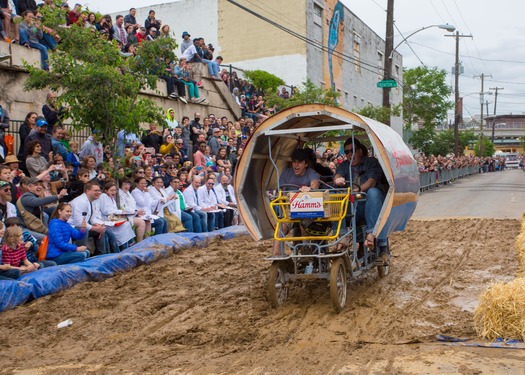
x=498, y=195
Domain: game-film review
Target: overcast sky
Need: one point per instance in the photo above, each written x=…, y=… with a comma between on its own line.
x=497, y=48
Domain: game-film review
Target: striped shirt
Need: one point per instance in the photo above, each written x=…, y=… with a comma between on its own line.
x=14, y=257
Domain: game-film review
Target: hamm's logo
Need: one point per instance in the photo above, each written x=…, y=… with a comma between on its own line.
x=306, y=205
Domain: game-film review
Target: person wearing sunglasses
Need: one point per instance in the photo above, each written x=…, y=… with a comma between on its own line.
x=368, y=175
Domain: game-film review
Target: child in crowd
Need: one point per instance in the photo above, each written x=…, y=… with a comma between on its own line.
x=14, y=251
x=73, y=157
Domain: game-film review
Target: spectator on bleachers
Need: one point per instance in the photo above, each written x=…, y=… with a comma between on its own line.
x=109, y=210
x=51, y=113
x=167, y=205
x=131, y=38
x=128, y=204
x=182, y=71
x=186, y=42
x=210, y=204
x=119, y=31
x=9, y=16
x=145, y=202
x=192, y=202
x=92, y=147
x=90, y=164
x=152, y=33
x=60, y=249
x=35, y=161
x=226, y=196
x=190, y=219
x=14, y=251
x=141, y=35
x=74, y=16
x=213, y=141
x=40, y=134
x=165, y=31
x=171, y=120
x=86, y=208
x=151, y=21
x=58, y=146
x=152, y=137
x=91, y=21
x=7, y=208
x=130, y=20
x=31, y=208
x=24, y=130
x=30, y=36
x=105, y=27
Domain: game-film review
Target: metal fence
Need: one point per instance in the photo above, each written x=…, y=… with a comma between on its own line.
x=80, y=135
x=431, y=180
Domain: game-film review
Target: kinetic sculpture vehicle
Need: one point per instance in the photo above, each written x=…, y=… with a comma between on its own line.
x=316, y=248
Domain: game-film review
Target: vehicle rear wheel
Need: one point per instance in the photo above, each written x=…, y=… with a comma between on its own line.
x=277, y=288
x=338, y=284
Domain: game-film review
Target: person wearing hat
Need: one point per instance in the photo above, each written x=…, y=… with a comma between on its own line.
x=7, y=208
x=40, y=134
x=152, y=34
x=13, y=163
x=186, y=42
x=214, y=141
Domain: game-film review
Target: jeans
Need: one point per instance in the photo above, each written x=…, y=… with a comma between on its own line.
x=228, y=217
x=213, y=67
x=46, y=263
x=48, y=41
x=192, y=89
x=42, y=48
x=369, y=211
x=71, y=257
x=189, y=221
x=10, y=275
x=160, y=226
x=105, y=243
x=219, y=219
x=203, y=216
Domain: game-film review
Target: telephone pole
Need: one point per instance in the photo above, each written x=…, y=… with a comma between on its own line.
x=482, y=103
x=389, y=47
x=496, y=89
x=457, y=115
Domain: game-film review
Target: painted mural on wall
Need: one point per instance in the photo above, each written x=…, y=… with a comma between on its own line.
x=334, y=35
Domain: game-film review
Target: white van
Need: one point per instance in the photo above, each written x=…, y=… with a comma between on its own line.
x=512, y=160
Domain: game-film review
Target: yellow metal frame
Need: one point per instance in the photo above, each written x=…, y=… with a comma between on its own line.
x=337, y=206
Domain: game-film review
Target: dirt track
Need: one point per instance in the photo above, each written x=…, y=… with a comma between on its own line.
x=206, y=311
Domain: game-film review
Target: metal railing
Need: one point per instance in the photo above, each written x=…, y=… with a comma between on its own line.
x=431, y=180
x=79, y=135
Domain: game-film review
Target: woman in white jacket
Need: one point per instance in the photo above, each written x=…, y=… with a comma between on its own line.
x=128, y=204
x=108, y=206
x=145, y=202
x=167, y=205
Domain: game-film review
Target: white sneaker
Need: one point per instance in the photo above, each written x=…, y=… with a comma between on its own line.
x=173, y=96
x=200, y=100
x=182, y=99
x=194, y=100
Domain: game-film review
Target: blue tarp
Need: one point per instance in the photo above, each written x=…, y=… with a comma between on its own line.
x=55, y=279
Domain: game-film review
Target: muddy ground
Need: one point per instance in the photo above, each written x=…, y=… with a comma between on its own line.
x=206, y=311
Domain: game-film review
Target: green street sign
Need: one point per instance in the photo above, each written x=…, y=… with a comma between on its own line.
x=387, y=83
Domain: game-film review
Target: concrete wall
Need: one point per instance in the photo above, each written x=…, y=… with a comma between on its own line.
x=20, y=102
x=197, y=17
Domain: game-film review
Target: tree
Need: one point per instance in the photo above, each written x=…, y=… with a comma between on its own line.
x=488, y=147
x=99, y=85
x=430, y=142
x=308, y=93
x=379, y=113
x=267, y=82
x=425, y=94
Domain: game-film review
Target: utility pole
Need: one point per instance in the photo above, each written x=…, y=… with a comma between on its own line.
x=389, y=47
x=457, y=115
x=482, y=103
x=496, y=89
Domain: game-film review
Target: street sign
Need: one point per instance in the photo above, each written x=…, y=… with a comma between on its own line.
x=387, y=83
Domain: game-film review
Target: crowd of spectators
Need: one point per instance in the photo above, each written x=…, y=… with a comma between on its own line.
x=172, y=177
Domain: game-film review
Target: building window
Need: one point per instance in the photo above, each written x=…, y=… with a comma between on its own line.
x=357, y=52
x=318, y=14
